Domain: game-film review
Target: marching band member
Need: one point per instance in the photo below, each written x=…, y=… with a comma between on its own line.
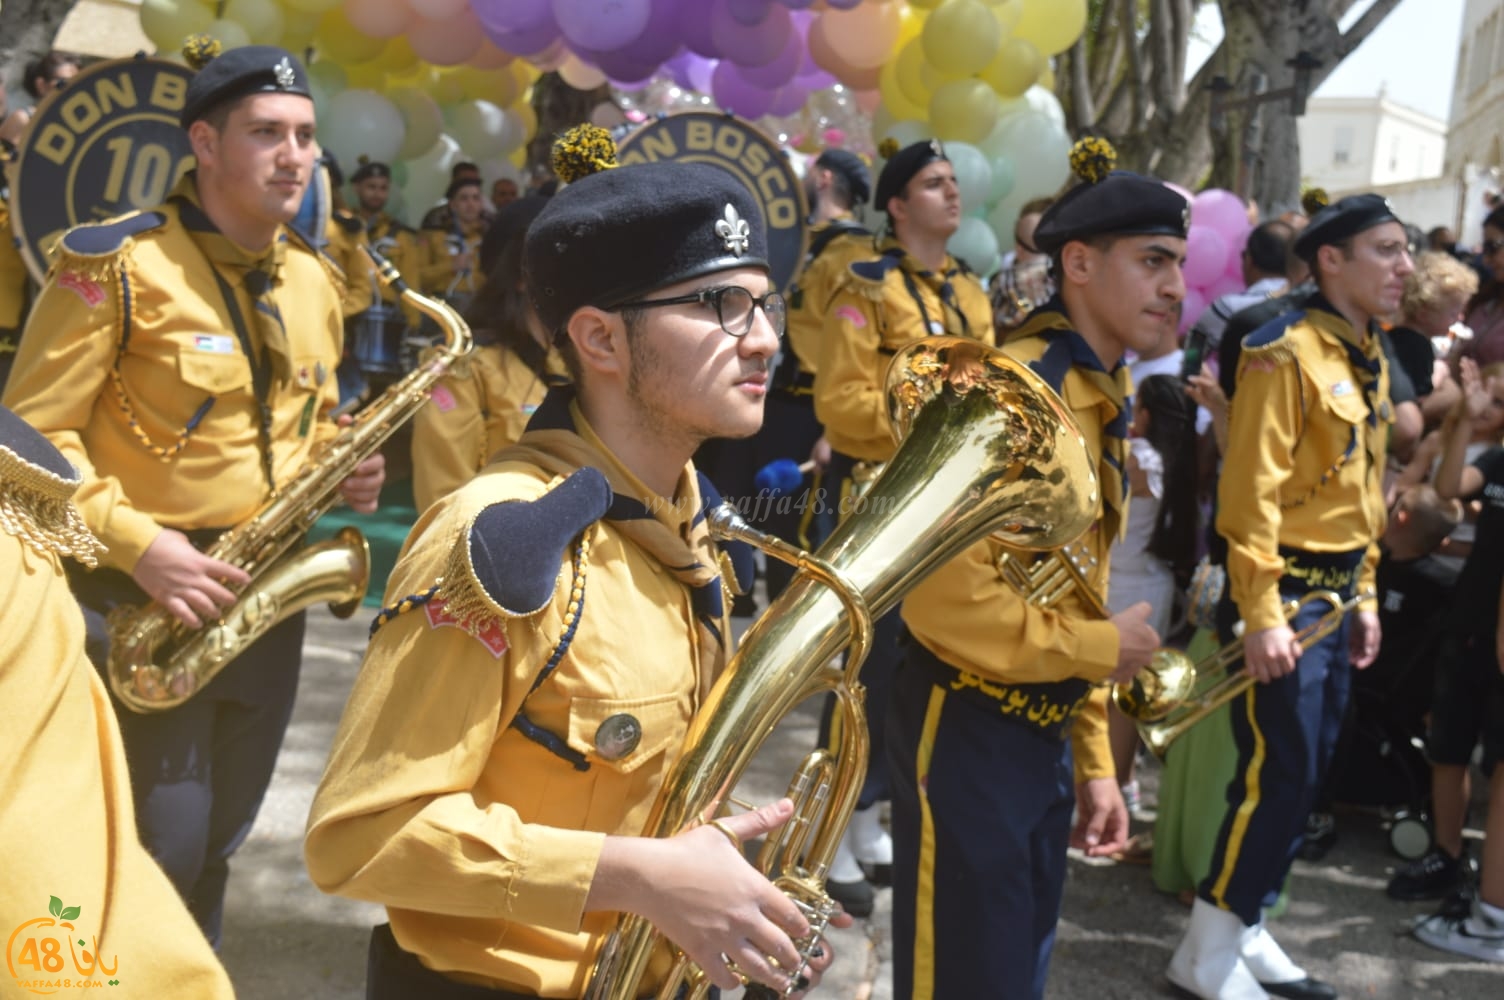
x=911, y=288
x=1301, y=505
x=553, y=626
x=187, y=371
x=449, y=268
x=64, y=758
x=995, y=693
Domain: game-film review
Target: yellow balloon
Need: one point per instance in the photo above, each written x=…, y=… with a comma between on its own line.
x=529, y=118
x=895, y=99
x=1015, y=69
x=398, y=57
x=518, y=156
x=447, y=87
x=298, y=30
x=910, y=24
x=963, y=111
x=231, y=34
x=925, y=4
x=1052, y=25
x=311, y=6
x=366, y=76
x=168, y=22
x=261, y=19
x=339, y=41
x=1047, y=78
x=908, y=74
x=499, y=86
x=1007, y=13
x=961, y=37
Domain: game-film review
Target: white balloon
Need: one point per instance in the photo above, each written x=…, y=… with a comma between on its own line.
x=480, y=128
x=428, y=176
x=420, y=117
x=362, y=123
x=973, y=175
x=1040, y=150
x=975, y=243
x=1043, y=99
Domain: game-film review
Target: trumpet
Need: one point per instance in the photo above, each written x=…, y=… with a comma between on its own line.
x=1163, y=720
x=1166, y=681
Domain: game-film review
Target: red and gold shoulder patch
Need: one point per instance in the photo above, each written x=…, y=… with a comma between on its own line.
x=493, y=636
x=85, y=287
x=443, y=399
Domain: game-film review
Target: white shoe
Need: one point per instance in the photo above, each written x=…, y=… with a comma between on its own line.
x=1208, y=964
x=843, y=867
x=871, y=844
x=1265, y=958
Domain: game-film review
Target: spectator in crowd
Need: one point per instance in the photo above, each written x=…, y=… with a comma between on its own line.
x=1266, y=266
x=1435, y=296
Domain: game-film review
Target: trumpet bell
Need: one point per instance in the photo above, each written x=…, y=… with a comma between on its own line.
x=1158, y=689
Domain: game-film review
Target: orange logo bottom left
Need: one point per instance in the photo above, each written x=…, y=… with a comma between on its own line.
x=49, y=954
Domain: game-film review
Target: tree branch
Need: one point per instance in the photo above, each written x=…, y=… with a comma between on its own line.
x=1135, y=76
x=1364, y=25
x=1083, y=108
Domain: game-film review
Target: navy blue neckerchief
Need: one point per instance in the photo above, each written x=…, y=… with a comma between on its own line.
x=895, y=256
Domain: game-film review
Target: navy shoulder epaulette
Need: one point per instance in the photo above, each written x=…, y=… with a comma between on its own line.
x=348, y=222
x=877, y=268
x=94, y=250
x=103, y=239
x=507, y=562
x=1273, y=331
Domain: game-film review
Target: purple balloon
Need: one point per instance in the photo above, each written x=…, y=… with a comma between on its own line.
x=754, y=46
x=701, y=73
x=798, y=4
x=602, y=27
x=843, y=4
x=818, y=80
x=788, y=100
x=523, y=43
x=513, y=15
x=781, y=70
x=622, y=66
x=749, y=13
x=736, y=95
x=694, y=28
x=662, y=38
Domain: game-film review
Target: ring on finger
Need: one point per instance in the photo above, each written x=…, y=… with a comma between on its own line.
x=735, y=969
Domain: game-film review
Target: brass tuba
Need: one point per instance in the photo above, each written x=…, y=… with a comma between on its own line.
x=157, y=663
x=987, y=448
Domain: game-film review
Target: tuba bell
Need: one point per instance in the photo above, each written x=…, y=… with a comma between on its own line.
x=157, y=663
x=987, y=449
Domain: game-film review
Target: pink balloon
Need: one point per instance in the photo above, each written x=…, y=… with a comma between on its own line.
x=1191, y=308
x=514, y=15
x=1222, y=211
x=1224, y=285
x=868, y=100
x=499, y=20
x=1235, y=262
x=379, y=18
x=446, y=41
x=1205, y=256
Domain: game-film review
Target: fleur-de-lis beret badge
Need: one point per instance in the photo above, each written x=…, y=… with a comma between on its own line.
x=286, y=78
x=735, y=231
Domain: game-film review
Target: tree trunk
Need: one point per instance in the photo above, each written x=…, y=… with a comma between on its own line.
x=27, y=28
x=559, y=107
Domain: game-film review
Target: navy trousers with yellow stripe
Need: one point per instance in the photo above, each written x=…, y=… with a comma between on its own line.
x=981, y=817
x=1286, y=733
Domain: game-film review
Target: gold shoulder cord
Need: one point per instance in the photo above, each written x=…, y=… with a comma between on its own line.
x=37, y=507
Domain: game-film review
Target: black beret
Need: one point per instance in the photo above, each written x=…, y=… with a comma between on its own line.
x=510, y=223
x=1340, y=220
x=851, y=167
x=902, y=166
x=619, y=234
x=1121, y=204
x=370, y=169
x=251, y=69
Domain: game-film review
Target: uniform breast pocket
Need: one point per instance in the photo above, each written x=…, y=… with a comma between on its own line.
x=215, y=374
x=626, y=742
x=1348, y=404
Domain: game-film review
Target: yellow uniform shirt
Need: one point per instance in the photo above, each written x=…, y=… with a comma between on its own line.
x=138, y=378
x=14, y=295
x=879, y=306
x=344, y=236
x=481, y=843
x=69, y=830
x=437, y=274
x=809, y=300
x=968, y=616
x=481, y=406
x=1305, y=458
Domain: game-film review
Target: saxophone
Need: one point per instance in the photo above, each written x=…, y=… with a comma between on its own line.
x=987, y=449
x=157, y=663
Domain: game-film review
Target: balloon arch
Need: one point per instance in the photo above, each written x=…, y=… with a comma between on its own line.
x=422, y=84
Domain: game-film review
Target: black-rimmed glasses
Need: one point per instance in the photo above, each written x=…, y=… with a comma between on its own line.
x=735, y=307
